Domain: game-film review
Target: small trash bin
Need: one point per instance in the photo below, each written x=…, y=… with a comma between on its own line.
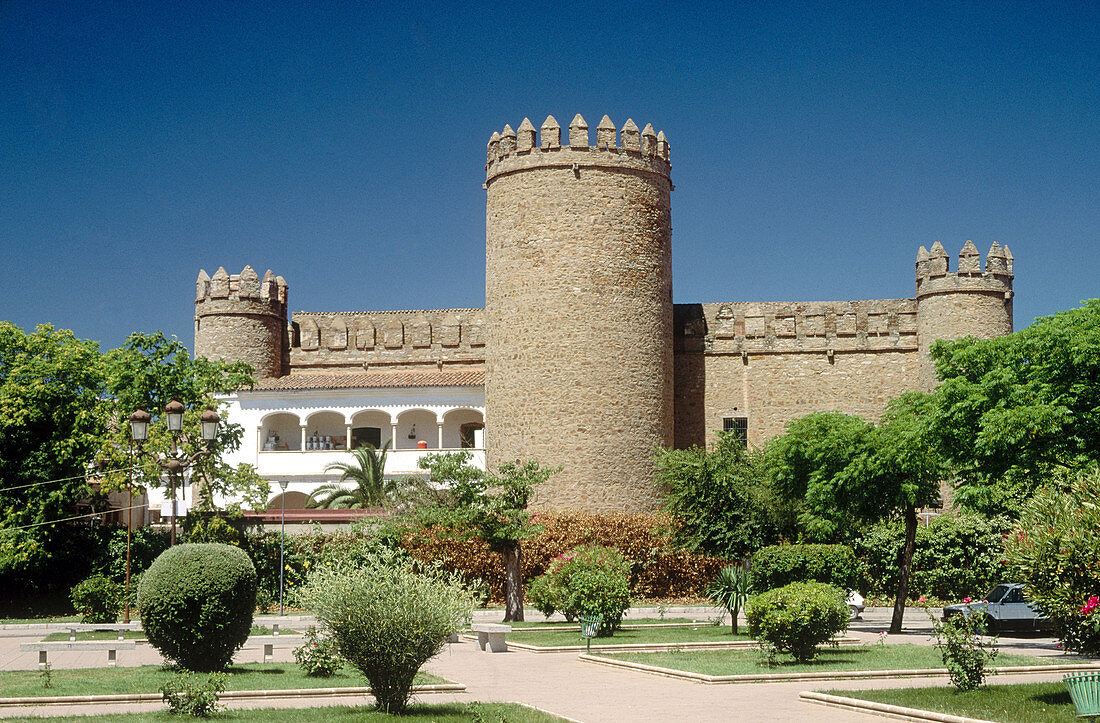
x=590, y=625
x=1084, y=690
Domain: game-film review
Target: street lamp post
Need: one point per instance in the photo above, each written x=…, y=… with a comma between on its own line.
x=175, y=463
x=283, y=484
x=139, y=431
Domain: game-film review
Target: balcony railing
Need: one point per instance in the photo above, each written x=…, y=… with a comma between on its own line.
x=313, y=462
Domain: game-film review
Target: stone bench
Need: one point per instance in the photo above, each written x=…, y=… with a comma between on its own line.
x=122, y=628
x=269, y=641
x=493, y=635
x=111, y=646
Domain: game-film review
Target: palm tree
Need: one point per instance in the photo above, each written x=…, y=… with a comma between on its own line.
x=371, y=488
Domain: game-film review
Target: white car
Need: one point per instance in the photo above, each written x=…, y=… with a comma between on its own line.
x=1004, y=608
x=855, y=605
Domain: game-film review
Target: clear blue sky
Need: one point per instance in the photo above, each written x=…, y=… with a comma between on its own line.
x=342, y=145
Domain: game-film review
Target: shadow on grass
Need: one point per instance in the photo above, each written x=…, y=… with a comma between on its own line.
x=1061, y=698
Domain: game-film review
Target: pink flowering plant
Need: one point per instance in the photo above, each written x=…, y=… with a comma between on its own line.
x=1055, y=552
x=318, y=657
x=588, y=580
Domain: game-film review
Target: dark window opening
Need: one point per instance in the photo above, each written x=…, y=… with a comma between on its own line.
x=362, y=436
x=739, y=426
x=467, y=433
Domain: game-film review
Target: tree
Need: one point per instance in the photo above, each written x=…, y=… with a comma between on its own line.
x=492, y=505
x=845, y=469
x=721, y=498
x=51, y=422
x=147, y=372
x=1012, y=410
x=367, y=472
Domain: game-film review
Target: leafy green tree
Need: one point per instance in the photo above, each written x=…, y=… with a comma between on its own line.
x=1014, y=409
x=847, y=470
x=722, y=500
x=494, y=506
x=51, y=423
x=371, y=489
x=730, y=589
x=147, y=372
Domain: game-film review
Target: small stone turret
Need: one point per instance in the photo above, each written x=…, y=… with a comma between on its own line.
x=579, y=310
x=242, y=317
x=968, y=302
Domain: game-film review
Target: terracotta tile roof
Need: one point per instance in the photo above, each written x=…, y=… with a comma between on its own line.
x=375, y=380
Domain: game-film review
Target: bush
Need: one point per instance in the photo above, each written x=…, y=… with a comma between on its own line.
x=190, y=695
x=317, y=656
x=731, y=589
x=263, y=550
x=954, y=557
x=966, y=655
x=388, y=620
x=591, y=580
x=196, y=603
x=797, y=618
x=97, y=599
x=145, y=545
x=781, y=565
x=657, y=567
x=1054, y=552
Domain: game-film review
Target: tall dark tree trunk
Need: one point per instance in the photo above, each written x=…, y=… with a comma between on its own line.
x=513, y=584
x=906, y=568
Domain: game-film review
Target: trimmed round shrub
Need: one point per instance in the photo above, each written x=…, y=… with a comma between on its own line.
x=97, y=599
x=780, y=565
x=196, y=603
x=388, y=619
x=592, y=580
x=797, y=618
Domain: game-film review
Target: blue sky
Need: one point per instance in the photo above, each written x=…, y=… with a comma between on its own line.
x=814, y=146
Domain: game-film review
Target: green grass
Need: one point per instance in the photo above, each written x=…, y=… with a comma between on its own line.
x=701, y=633
x=626, y=621
x=149, y=679
x=870, y=657
x=1018, y=703
x=437, y=713
x=139, y=635
x=44, y=619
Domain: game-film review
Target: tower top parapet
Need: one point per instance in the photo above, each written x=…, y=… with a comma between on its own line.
x=934, y=275
x=639, y=150
x=246, y=292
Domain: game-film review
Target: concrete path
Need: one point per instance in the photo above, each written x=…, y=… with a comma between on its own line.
x=562, y=684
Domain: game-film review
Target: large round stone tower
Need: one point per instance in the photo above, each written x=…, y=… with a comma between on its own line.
x=578, y=296
x=968, y=302
x=242, y=317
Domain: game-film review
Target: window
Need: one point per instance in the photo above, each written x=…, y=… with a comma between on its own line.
x=739, y=426
x=469, y=439
x=362, y=436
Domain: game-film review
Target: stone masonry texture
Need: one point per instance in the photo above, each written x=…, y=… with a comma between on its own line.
x=579, y=311
x=587, y=363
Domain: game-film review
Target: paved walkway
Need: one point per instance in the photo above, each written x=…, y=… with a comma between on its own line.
x=562, y=684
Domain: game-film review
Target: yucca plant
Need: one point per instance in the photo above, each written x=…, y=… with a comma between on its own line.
x=730, y=589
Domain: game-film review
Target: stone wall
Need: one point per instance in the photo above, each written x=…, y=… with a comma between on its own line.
x=579, y=310
x=427, y=338
x=775, y=361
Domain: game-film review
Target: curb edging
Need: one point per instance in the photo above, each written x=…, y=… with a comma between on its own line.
x=227, y=695
x=884, y=709
x=823, y=675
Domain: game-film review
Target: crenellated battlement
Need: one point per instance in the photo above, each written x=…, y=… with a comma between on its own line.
x=245, y=293
x=934, y=275
x=515, y=150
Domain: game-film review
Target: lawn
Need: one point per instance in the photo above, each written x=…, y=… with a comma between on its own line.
x=626, y=621
x=437, y=713
x=697, y=634
x=1019, y=703
x=149, y=679
x=140, y=635
x=869, y=657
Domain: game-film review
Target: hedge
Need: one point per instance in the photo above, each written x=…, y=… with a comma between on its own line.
x=780, y=565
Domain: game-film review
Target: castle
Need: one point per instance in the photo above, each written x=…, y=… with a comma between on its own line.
x=580, y=358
